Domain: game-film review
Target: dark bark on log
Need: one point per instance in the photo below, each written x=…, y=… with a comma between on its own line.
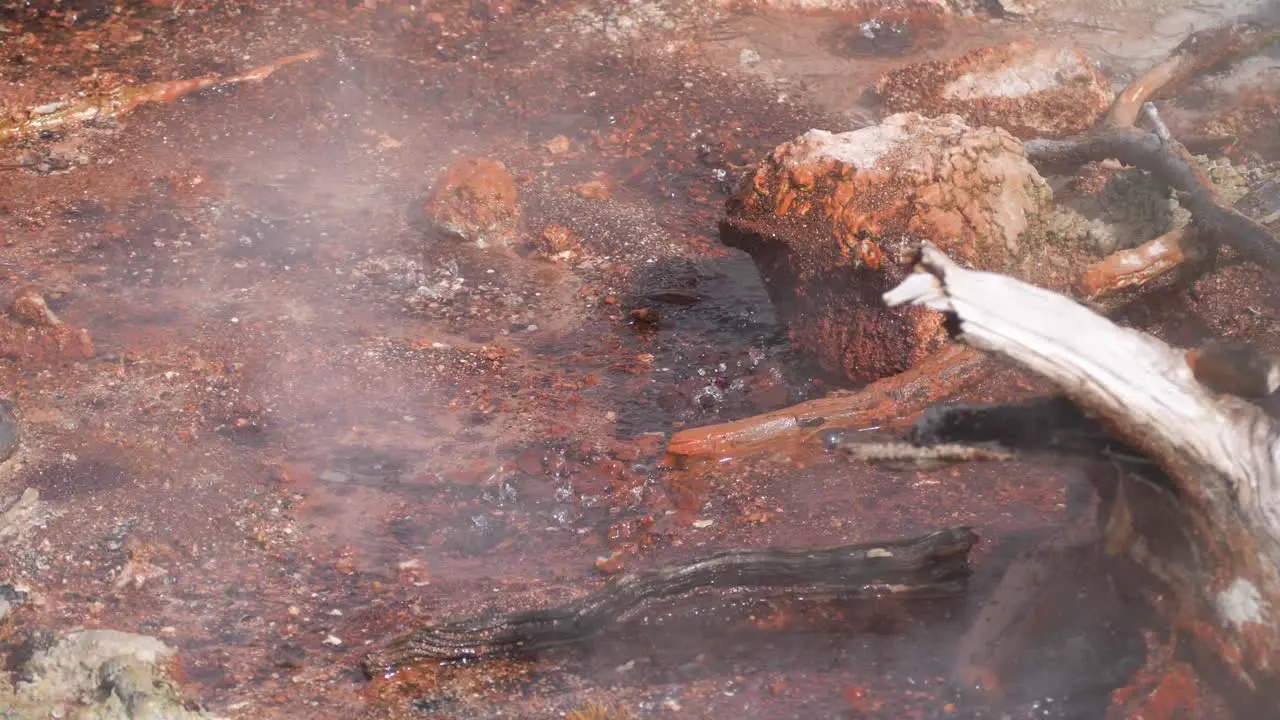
x=930, y=566
x=1207, y=144
x=1052, y=427
x=1195, y=534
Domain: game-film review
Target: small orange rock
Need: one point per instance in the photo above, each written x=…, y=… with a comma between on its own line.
x=31, y=309
x=592, y=190
x=858, y=699
x=558, y=145
x=556, y=242
x=345, y=565
x=646, y=316
x=610, y=565
x=475, y=200
x=59, y=342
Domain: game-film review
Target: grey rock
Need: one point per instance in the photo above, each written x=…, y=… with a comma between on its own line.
x=289, y=655
x=98, y=675
x=10, y=598
x=9, y=435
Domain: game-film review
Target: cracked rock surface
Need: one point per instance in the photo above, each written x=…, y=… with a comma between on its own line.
x=830, y=220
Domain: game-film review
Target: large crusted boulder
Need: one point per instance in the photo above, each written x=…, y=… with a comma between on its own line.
x=1032, y=92
x=831, y=221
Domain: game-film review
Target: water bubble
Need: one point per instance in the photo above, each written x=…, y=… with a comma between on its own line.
x=831, y=438
x=708, y=397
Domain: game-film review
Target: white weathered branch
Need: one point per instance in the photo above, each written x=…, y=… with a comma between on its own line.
x=1220, y=450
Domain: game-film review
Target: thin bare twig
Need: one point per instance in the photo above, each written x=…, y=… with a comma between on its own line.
x=905, y=456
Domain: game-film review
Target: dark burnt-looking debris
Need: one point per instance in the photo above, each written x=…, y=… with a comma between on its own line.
x=931, y=566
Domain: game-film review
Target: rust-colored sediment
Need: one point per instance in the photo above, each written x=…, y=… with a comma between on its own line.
x=298, y=424
x=47, y=344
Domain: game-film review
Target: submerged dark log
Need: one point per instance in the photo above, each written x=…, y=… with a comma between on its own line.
x=931, y=566
x=1195, y=533
x=1052, y=427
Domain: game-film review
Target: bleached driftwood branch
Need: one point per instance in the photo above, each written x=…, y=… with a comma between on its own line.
x=1208, y=535
x=1137, y=382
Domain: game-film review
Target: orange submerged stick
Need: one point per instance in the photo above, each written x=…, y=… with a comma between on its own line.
x=123, y=100
x=1138, y=265
x=892, y=400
